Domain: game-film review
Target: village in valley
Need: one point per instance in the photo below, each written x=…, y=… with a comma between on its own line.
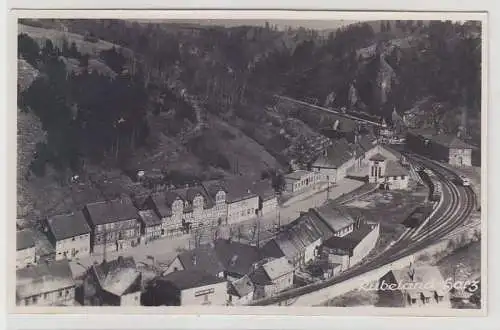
x=364, y=200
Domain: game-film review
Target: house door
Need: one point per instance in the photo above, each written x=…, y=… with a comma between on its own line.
x=459, y=161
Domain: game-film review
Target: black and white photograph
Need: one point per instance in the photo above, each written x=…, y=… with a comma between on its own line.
x=255, y=162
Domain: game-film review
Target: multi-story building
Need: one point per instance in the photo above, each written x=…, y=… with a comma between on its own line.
x=242, y=203
x=25, y=249
x=114, y=225
x=151, y=225
x=181, y=209
x=46, y=284
x=217, y=192
x=299, y=241
x=350, y=249
x=388, y=173
x=301, y=179
x=70, y=235
x=335, y=161
x=268, y=201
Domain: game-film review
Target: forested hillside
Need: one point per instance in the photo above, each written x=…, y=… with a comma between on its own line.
x=195, y=100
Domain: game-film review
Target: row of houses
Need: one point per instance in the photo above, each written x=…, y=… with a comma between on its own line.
x=365, y=159
x=340, y=235
x=124, y=223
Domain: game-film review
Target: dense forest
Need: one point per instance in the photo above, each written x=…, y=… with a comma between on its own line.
x=373, y=67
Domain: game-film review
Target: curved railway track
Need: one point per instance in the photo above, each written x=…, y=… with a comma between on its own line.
x=457, y=205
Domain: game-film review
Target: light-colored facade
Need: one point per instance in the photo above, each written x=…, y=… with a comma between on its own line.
x=59, y=297
x=460, y=156
x=73, y=247
x=46, y=284
x=269, y=206
x=25, y=249
x=25, y=257
x=131, y=299
x=242, y=210
x=300, y=180
x=213, y=294
x=388, y=173
x=351, y=249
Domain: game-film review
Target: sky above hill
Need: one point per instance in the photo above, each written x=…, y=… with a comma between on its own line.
x=281, y=24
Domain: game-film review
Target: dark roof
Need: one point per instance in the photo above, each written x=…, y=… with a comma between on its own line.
x=351, y=240
x=337, y=154
x=297, y=175
x=297, y=235
x=68, y=225
x=235, y=257
x=264, y=189
x=158, y=202
x=367, y=142
x=202, y=258
x=42, y=278
x=213, y=187
x=111, y=211
x=335, y=216
x=241, y=287
x=447, y=140
x=187, y=279
x=378, y=157
x=24, y=239
x=259, y=276
x=238, y=189
x=149, y=218
x=393, y=168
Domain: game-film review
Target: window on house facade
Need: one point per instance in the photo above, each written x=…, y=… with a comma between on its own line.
x=379, y=171
x=402, y=177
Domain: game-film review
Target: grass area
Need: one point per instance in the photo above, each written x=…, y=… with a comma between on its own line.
x=390, y=209
x=56, y=36
x=462, y=264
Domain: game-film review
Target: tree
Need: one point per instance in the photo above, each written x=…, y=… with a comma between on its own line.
x=28, y=48
x=73, y=51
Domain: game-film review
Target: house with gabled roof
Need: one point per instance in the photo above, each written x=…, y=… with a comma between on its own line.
x=299, y=241
x=50, y=283
x=389, y=174
x=271, y=276
x=443, y=147
x=414, y=287
x=70, y=235
x=335, y=161
x=114, y=225
x=113, y=283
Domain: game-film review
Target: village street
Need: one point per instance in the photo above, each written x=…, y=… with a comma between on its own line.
x=162, y=251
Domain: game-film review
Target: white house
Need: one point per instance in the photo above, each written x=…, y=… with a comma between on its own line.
x=350, y=249
x=336, y=160
x=70, y=234
x=242, y=203
x=25, y=249
x=46, y=284
x=300, y=179
x=272, y=276
x=388, y=173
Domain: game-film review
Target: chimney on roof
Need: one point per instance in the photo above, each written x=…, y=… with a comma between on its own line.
x=194, y=259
